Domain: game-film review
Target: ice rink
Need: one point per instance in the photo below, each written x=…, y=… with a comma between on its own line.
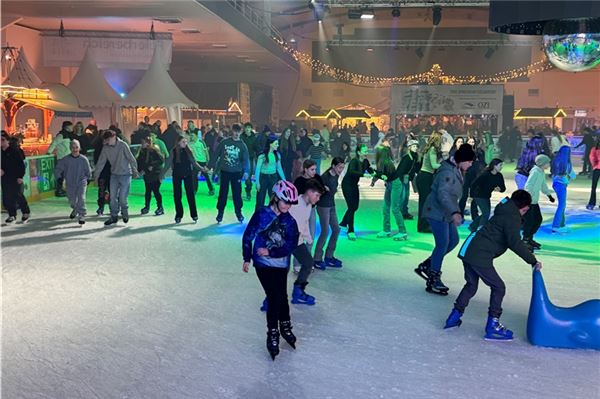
x=155, y=310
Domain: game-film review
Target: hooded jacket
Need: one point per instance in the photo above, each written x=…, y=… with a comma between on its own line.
x=122, y=161
x=536, y=182
x=500, y=233
x=446, y=191
x=61, y=144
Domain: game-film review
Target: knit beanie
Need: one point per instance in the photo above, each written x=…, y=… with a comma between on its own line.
x=542, y=160
x=412, y=142
x=464, y=153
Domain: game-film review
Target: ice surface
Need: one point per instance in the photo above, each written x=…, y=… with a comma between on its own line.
x=154, y=310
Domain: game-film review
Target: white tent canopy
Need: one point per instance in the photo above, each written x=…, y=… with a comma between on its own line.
x=157, y=89
x=22, y=74
x=90, y=86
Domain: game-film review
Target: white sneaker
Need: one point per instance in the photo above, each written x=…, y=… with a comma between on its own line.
x=400, y=237
x=384, y=234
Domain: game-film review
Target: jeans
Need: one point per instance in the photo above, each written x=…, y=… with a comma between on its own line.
x=352, y=197
x=76, y=196
x=480, y=220
x=424, y=182
x=520, y=180
x=595, y=177
x=561, y=196
x=119, y=189
x=491, y=278
x=406, y=192
x=274, y=282
x=392, y=200
x=302, y=254
x=248, y=182
x=318, y=162
x=446, y=239
x=235, y=180
x=532, y=221
x=152, y=186
x=266, y=188
x=188, y=182
x=327, y=218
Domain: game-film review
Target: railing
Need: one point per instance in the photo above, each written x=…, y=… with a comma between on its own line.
x=255, y=18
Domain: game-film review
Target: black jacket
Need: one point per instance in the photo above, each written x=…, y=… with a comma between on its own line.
x=485, y=183
x=13, y=164
x=150, y=163
x=500, y=233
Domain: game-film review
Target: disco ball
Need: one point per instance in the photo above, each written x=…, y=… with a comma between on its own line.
x=573, y=52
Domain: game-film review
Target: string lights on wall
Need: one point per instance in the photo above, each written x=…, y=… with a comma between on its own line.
x=434, y=76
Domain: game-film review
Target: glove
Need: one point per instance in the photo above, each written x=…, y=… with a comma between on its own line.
x=551, y=198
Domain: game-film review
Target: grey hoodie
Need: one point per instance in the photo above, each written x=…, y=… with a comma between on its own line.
x=75, y=170
x=446, y=191
x=122, y=162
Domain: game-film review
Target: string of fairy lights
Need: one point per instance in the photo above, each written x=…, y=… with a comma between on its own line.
x=433, y=76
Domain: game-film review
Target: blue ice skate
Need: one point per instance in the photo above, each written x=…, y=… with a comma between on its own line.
x=454, y=319
x=301, y=297
x=494, y=331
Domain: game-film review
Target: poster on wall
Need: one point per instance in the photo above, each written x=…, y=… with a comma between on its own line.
x=446, y=100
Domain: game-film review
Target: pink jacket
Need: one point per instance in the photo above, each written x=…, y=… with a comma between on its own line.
x=595, y=158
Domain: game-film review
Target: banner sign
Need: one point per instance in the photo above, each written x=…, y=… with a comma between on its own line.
x=447, y=99
x=118, y=50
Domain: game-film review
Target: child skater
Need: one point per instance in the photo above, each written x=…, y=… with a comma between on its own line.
x=488, y=181
x=478, y=252
x=75, y=170
x=269, y=239
x=536, y=182
x=562, y=174
x=150, y=164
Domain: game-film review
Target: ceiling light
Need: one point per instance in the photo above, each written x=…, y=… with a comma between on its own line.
x=219, y=45
x=367, y=14
x=436, y=15
x=292, y=40
x=370, y=49
x=396, y=12
x=169, y=20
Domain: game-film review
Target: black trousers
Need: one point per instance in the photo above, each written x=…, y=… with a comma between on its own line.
x=595, y=177
x=352, y=197
x=490, y=278
x=60, y=185
x=235, y=180
x=424, y=181
x=13, y=198
x=266, y=188
x=188, y=182
x=274, y=282
x=302, y=253
x=532, y=221
x=152, y=186
x=103, y=189
x=587, y=164
x=206, y=177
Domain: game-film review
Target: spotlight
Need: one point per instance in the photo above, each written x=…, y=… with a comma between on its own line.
x=396, y=12
x=419, y=52
x=292, y=40
x=437, y=15
x=367, y=14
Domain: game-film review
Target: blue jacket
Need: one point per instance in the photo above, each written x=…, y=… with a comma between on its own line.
x=279, y=234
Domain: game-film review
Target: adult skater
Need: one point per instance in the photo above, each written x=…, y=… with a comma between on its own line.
x=250, y=139
x=478, y=253
x=234, y=165
x=588, y=142
x=358, y=167
x=268, y=241
x=150, y=163
x=61, y=144
x=268, y=170
x=12, y=173
x=562, y=174
x=488, y=181
x=328, y=217
x=122, y=167
x=443, y=215
x=317, y=151
x=185, y=170
x=432, y=156
x=76, y=171
x=535, y=183
x=411, y=157
x=533, y=148
x=595, y=165
x=287, y=149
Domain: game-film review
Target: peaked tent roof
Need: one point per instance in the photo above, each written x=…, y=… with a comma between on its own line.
x=156, y=89
x=90, y=86
x=22, y=74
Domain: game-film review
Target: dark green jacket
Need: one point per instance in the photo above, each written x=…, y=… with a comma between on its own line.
x=500, y=233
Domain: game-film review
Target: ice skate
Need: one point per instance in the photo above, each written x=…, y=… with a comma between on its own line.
x=423, y=268
x=195, y=219
x=177, y=220
x=10, y=219
x=273, y=342
x=73, y=214
x=81, y=220
x=589, y=207
x=384, y=234
x=285, y=328
x=25, y=217
x=299, y=296
x=240, y=217
x=352, y=236
x=145, y=210
x=400, y=237
x=453, y=319
x=321, y=265
x=333, y=262
x=110, y=221
x=494, y=331
x=100, y=211
x=160, y=211
x=219, y=217
x=435, y=285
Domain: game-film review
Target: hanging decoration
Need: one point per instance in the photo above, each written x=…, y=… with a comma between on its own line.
x=434, y=76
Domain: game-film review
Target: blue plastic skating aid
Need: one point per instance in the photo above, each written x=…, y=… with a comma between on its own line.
x=549, y=325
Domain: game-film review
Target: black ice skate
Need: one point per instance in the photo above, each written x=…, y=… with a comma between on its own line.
x=273, y=342
x=286, y=332
x=435, y=284
x=423, y=269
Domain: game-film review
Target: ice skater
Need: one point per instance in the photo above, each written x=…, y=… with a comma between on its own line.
x=268, y=170
x=526, y=162
x=536, y=182
x=595, y=166
x=12, y=173
x=268, y=241
x=122, y=167
x=185, y=170
x=478, y=252
x=150, y=163
x=432, y=156
x=328, y=218
x=200, y=152
x=61, y=144
x=488, y=181
x=562, y=174
x=358, y=167
x=76, y=171
x=442, y=213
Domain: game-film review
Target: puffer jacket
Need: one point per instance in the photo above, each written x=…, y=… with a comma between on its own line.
x=61, y=144
x=446, y=191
